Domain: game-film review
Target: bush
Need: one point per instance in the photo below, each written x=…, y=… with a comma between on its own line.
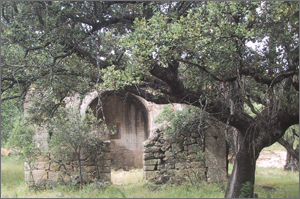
x=182, y=122
x=73, y=135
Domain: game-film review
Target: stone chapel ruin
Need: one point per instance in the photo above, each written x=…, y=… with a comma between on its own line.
x=139, y=142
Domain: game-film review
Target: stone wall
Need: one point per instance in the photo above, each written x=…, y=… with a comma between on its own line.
x=43, y=172
x=201, y=156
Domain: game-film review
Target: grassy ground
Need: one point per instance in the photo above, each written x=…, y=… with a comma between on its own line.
x=286, y=183
x=133, y=186
x=275, y=146
x=275, y=183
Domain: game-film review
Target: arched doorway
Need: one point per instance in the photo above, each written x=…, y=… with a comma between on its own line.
x=127, y=121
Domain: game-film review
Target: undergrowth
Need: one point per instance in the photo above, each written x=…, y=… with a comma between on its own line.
x=285, y=184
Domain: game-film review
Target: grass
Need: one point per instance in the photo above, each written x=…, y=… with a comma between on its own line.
x=127, y=178
x=134, y=186
x=276, y=146
x=286, y=183
x=12, y=177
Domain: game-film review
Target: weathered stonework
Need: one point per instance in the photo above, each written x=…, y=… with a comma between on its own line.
x=43, y=172
x=198, y=155
x=137, y=143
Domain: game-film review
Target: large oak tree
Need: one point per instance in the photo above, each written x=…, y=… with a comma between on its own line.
x=206, y=59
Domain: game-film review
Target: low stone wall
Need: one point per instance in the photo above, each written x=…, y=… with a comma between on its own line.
x=43, y=172
x=198, y=156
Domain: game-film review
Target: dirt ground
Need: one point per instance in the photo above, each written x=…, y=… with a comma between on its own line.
x=274, y=158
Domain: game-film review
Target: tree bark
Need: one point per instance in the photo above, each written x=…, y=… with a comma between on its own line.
x=243, y=170
x=292, y=163
x=289, y=147
x=232, y=134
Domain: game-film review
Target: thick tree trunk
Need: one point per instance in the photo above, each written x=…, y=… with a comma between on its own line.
x=243, y=174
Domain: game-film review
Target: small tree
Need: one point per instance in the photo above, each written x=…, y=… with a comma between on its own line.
x=72, y=135
x=23, y=140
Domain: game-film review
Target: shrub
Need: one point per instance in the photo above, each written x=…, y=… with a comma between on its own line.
x=72, y=135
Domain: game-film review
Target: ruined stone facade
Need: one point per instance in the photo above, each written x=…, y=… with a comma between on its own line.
x=192, y=155
x=138, y=142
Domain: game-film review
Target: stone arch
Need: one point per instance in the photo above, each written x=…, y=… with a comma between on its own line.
x=127, y=117
x=87, y=100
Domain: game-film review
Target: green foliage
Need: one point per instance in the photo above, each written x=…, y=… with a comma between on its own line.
x=113, y=129
x=54, y=48
x=246, y=190
x=72, y=135
x=10, y=114
x=116, y=79
x=186, y=121
x=117, y=193
x=166, y=115
x=22, y=139
x=69, y=126
x=65, y=47
x=257, y=107
x=212, y=44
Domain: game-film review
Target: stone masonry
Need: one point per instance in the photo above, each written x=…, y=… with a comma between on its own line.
x=197, y=155
x=161, y=157
x=93, y=170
